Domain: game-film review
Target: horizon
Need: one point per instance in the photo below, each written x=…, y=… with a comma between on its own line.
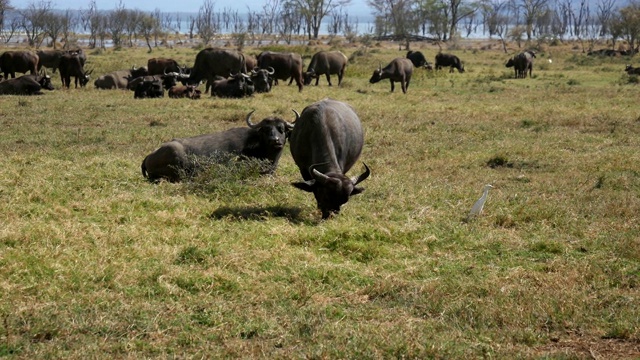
x=355, y=8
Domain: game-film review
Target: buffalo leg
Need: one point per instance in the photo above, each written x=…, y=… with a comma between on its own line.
x=329, y=79
x=392, y=85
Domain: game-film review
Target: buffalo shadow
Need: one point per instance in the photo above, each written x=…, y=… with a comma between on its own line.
x=260, y=213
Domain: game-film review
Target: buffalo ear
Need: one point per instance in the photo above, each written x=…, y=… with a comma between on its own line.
x=357, y=190
x=307, y=186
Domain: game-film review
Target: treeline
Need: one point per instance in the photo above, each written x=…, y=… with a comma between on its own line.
x=282, y=20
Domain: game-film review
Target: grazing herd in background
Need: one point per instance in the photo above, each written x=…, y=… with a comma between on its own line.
x=326, y=139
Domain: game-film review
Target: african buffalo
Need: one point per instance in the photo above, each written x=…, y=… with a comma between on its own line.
x=261, y=79
x=418, y=60
x=211, y=62
x=263, y=141
x=450, y=60
x=250, y=62
x=119, y=79
x=167, y=81
x=18, y=61
x=285, y=65
x=26, y=85
x=160, y=66
x=184, y=91
x=326, y=142
x=71, y=65
x=326, y=62
x=522, y=63
x=149, y=88
x=632, y=70
x=399, y=69
x=49, y=59
x=236, y=86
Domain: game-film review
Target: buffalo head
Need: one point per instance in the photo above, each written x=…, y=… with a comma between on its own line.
x=332, y=190
x=45, y=82
x=377, y=75
x=273, y=131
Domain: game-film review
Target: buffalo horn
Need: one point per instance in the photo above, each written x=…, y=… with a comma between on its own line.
x=249, y=123
x=297, y=116
x=380, y=67
x=272, y=71
x=362, y=176
x=320, y=177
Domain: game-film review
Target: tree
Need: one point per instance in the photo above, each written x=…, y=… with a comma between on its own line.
x=69, y=22
x=205, y=22
x=531, y=10
x=33, y=21
x=52, y=25
x=116, y=22
x=146, y=28
x=627, y=24
x=4, y=6
x=604, y=14
x=314, y=11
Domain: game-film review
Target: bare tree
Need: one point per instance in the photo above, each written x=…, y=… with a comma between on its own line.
x=52, y=25
x=146, y=28
x=4, y=6
x=531, y=10
x=10, y=30
x=69, y=22
x=205, y=22
x=627, y=25
x=604, y=14
x=133, y=18
x=92, y=21
x=116, y=22
x=33, y=21
x=314, y=11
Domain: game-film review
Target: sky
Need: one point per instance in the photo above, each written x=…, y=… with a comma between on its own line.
x=357, y=7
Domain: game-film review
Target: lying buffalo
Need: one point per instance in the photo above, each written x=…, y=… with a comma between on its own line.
x=399, y=69
x=264, y=141
x=26, y=85
x=325, y=143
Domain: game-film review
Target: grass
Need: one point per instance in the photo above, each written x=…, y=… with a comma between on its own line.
x=96, y=262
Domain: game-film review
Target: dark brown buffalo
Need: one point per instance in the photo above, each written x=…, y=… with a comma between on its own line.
x=522, y=63
x=399, y=69
x=49, y=59
x=261, y=79
x=452, y=61
x=12, y=62
x=418, y=60
x=264, y=141
x=285, y=65
x=236, y=86
x=149, y=88
x=632, y=70
x=26, y=85
x=327, y=63
x=160, y=66
x=250, y=62
x=326, y=142
x=71, y=65
x=184, y=91
x=212, y=62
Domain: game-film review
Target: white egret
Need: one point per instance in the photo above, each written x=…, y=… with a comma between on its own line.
x=479, y=205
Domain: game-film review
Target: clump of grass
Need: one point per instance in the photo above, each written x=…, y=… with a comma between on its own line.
x=573, y=82
x=499, y=161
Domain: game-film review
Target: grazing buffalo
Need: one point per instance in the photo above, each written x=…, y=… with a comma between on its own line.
x=327, y=63
x=285, y=65
x=49, y=59
x=263, y=141
x=326, y=142
x=26, y=85
x=119, y=79
x=452, y=61
x=71, y=65
x=262, y=80
x=632, y=70
x=149, y=88
x=236, y=86
x=12, y=62
x=160, y=66
x=184, y=91
x=399, y=69
x=522, y=63
x=418, y=60
x=212, y=62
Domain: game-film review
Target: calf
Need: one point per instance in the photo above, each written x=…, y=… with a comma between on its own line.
x=236, y=86
x=632, y=70
x=149, y=88
x=522, y=63
x=184, y=91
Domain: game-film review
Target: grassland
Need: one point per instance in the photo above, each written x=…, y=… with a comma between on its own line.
x=95, y=262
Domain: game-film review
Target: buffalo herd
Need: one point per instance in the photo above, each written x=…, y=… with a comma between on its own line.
x=326, y=138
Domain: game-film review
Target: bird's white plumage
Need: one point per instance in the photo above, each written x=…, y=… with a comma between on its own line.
x=479, y=205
